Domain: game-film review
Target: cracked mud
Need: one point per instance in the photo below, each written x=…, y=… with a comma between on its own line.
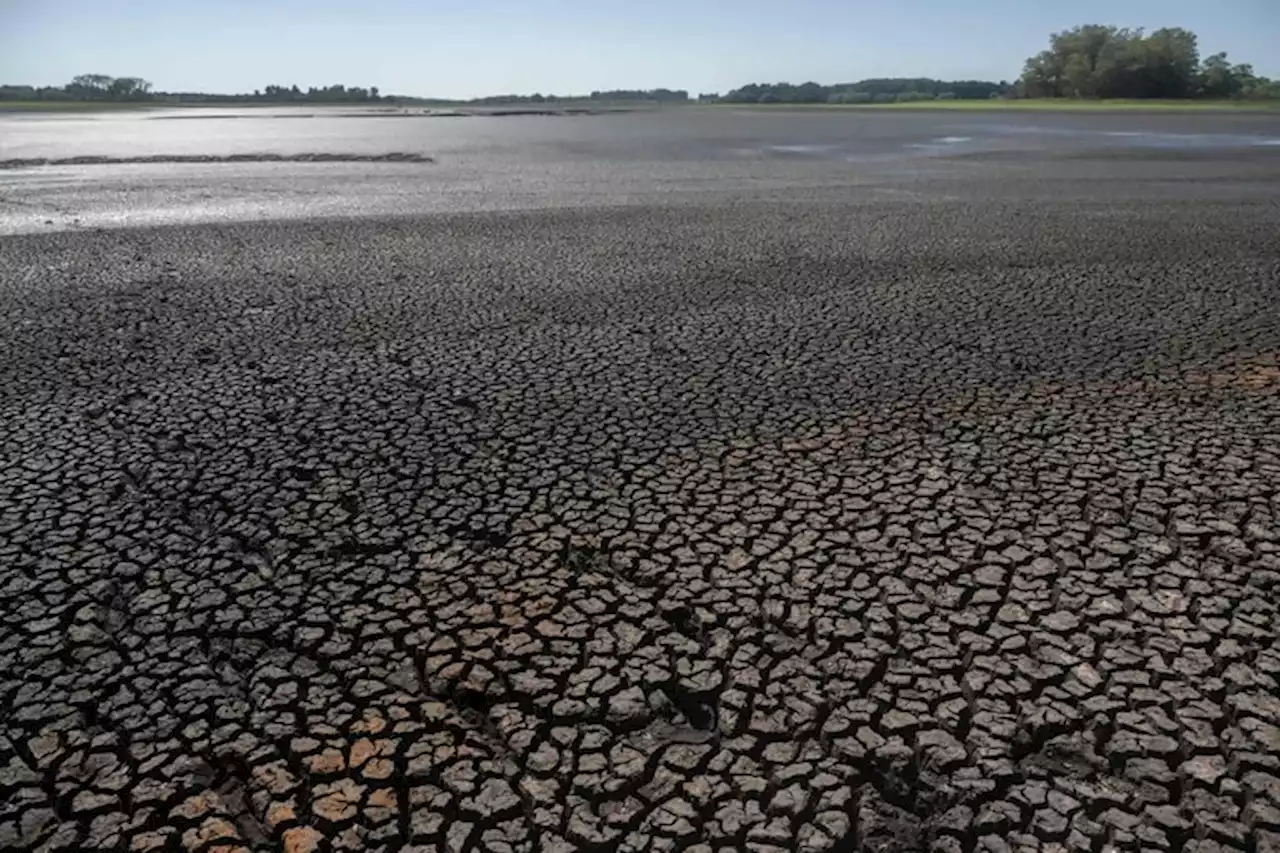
x=786, y=527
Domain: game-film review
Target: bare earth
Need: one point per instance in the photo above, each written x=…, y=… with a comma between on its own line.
x=802, y=523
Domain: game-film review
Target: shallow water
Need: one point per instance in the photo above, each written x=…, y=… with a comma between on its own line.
x=138, y=168
x=683, y=133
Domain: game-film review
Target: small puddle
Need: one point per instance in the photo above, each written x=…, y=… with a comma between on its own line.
x=802, y=149
x=1141, y=138
x=941, y=143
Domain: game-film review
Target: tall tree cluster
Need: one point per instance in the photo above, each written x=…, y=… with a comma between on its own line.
x=83, y=87
x=100, y=87
x=1095, y=61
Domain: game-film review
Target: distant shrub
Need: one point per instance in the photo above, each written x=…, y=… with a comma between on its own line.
x=850, y=98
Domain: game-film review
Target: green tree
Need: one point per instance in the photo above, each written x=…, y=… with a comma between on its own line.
x=90, y=87
x=1216, y=77
x=1094, y=61
x=1043, y=76
x=1172, y=63
x=129, y=89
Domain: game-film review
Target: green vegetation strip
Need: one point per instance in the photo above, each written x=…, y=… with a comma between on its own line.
x=79, y=106
x=1034, y=104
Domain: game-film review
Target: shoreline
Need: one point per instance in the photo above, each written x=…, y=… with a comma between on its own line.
x=587, y=108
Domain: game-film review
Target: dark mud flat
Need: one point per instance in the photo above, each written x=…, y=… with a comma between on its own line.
x=778, y=526
x=205, y=159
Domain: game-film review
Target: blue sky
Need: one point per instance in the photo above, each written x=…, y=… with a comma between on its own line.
x=461, y=48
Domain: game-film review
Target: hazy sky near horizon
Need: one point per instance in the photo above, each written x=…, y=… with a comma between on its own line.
x=457, y=48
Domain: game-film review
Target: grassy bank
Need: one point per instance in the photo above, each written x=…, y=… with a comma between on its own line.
x=1032, y=104
x=78, y=106
x=1042, y=105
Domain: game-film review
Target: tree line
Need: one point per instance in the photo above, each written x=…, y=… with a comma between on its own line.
x=607, y=96
x=336, y=94
x=1096, y=61
x=1090, y=61
x=878, y=90
x=84, y=87
x=102, y=87
x=659, y=95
